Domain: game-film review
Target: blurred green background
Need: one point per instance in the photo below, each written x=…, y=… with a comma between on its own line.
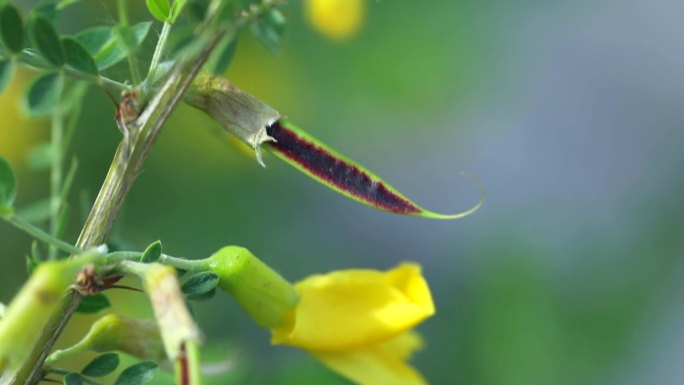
x=568, y=111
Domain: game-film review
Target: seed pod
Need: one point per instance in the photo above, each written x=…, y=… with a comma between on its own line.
x=256, y=123
x=343, y=175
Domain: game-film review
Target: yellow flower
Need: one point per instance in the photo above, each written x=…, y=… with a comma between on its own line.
x=358, y=322
x=336, y=19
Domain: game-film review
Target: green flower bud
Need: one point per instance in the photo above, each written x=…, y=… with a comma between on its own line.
x=139, y=338
x=32, y=306
x=266, y=296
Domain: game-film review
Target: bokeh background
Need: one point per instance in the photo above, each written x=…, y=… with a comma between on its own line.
x=570, y=112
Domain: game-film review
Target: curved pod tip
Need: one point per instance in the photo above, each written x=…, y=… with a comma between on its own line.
x=483, y=197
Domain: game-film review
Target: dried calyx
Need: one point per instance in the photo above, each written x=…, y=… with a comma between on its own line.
x=237, y=111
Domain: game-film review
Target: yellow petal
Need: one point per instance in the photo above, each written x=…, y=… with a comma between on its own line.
x=404, y=345
x=336, y=19
x=351, y=309
x=380, y=365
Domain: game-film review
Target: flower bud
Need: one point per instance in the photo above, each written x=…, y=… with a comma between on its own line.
x=31, y=308
x=263, y=293
x=139, y=338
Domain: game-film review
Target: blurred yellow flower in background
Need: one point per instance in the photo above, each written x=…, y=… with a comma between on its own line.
x=17, y=133
x=335, y=19
x=358, y=322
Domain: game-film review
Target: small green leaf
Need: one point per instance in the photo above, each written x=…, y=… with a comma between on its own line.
x=77, y=56
x=202, y=297
x=65, y=3
x=127, y=37
x=6, y=72
x=73, y=379
x=94, y=304
x=8, y=186
x=138, y=374
x=105, y=45
x=140, y=31
x=200, y=284
x=11, y=28
x=94, y=39
x=270, y=29
x=133, y=36
x=47, y=41
x=159, y=9
x=43, y=94
x=152, y=253
x=101, y=365
x=176, y=10
x=46, y=9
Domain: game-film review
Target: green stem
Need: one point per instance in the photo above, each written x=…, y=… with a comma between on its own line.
x=28, y=374
x=56, y=174
x=159, y=49
x=74, y=116
x=178, y=263
x=68, y=180
x=123, y=12
x=123, y=22
x=41, y=235
x=184, y=264
x=31, y=59
x=71, y=351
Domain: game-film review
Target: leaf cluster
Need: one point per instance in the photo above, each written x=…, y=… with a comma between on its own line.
x=137, y=374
